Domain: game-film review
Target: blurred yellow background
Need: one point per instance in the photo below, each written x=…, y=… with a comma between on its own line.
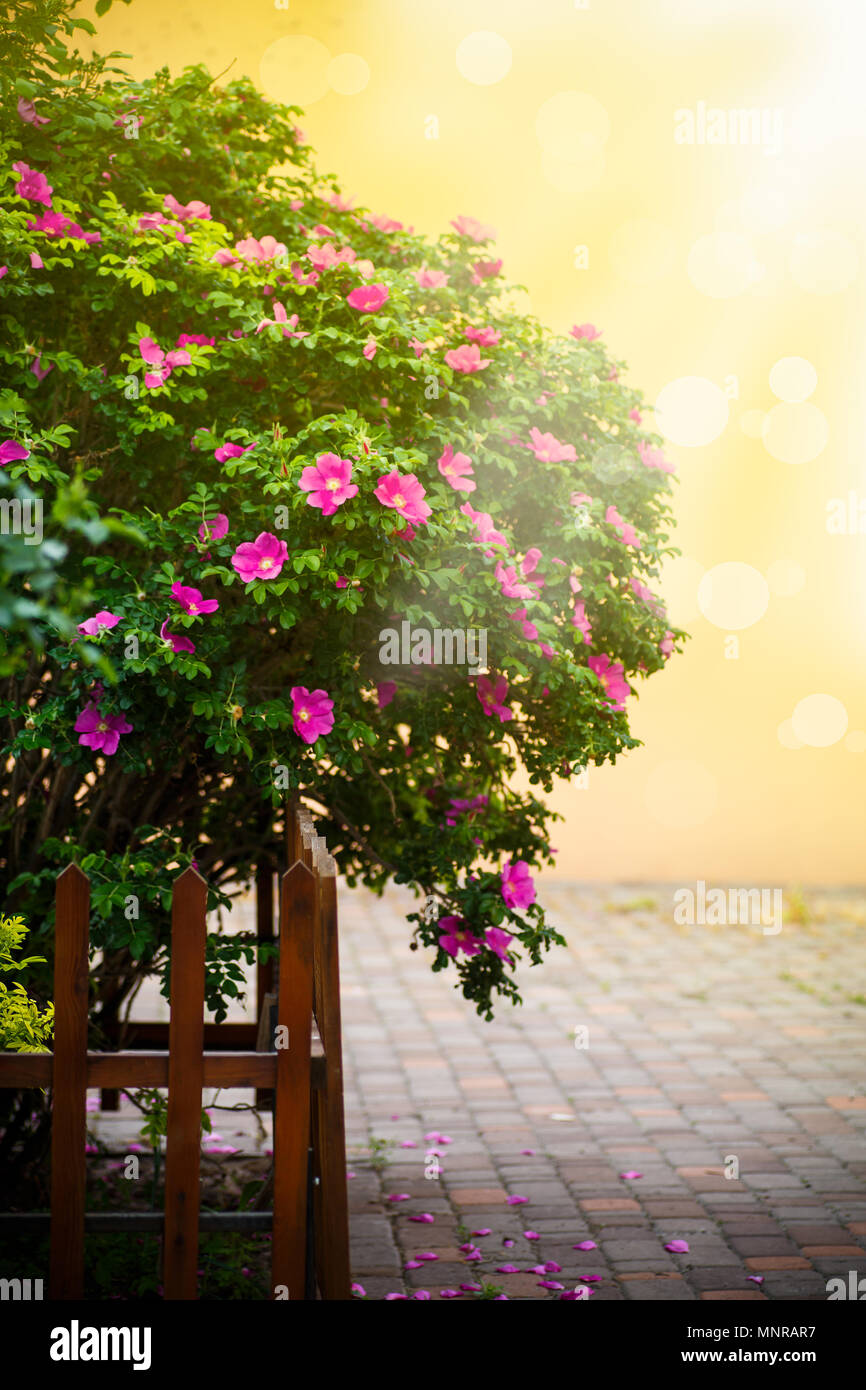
x=689, y=176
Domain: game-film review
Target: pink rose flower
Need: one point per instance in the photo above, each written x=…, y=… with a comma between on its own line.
x=405, y=494
x=328, y=481
x=548, y=449
x=102, y=621
x=262, y=558
x=498, y=940
x=99, y=731
x=268, y=249
x=183, y=211
x=385, y=692
x=457, y=937
x=485, y=270
x=11, y=452
x=492, y=697
x=585, y=330
x=653, y=458
x=27, y=112
x=327, y=256
x=191, y=600
x=473, y=229
x=165, y=362
x=581, y=621
x=518, y=889
x=313, y=715
x=232, y=451
x=485, y=337
x=367, y=299
x=176, y=641
x=627, y=534
x=483, y=523
x=214, y=528
x=612, y=676
x=32, y=185
x=467, y=359
x=431, y=279
x=457, y=470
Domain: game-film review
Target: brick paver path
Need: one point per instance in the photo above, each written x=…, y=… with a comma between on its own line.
x=705, y=1046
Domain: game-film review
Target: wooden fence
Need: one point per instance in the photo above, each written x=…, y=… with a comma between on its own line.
x=309, y=1221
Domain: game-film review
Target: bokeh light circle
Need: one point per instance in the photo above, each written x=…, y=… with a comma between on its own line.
x=820, y=720
x=294, y=70
x=733, y=596
x=348, y=74
x=691, y=411
x=795, y=433
x=793, y=379
x=484, y=58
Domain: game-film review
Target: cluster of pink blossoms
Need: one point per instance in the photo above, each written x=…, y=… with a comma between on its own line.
x=35, y=188
x=180, y=213
x=457, y=937
x=95, y=729
x=518, y=893
x=161, y=362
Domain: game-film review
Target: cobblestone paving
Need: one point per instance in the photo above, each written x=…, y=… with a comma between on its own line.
x=705, y=1046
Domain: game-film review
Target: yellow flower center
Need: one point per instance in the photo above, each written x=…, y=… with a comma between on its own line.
x=399, y=500
x=332, y=484
x=193, y=608
x=266, y=564
x=303, y=715
x=102, y=728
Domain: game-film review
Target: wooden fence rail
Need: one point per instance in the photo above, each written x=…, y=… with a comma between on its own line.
x=303, y=1072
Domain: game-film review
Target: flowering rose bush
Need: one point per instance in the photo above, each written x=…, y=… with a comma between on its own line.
x=279, y=403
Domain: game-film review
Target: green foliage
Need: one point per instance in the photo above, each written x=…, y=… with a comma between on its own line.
x=214, y=750
x=24, y=1027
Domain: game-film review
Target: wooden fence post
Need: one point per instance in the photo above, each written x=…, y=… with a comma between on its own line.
x=332, y=1218
x=185, y=1083
x=264, y=933
x=292, y=1100
x=69, y=1085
